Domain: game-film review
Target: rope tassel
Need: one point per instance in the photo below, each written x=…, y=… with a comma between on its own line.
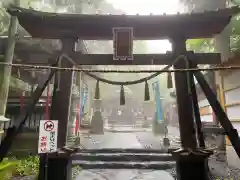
x=97, y=91
x=169, y=80
x=146, y=93
x=122, y=96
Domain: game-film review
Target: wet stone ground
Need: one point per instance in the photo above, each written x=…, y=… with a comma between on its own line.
x=219, y=170
x=118, y=140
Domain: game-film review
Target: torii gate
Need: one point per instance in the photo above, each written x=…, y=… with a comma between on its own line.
x=178, y=28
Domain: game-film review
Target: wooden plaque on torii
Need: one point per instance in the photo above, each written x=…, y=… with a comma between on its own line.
x=122, y=43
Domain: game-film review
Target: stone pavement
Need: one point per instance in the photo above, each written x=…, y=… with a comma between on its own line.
x=117, y=140
x=148, y=140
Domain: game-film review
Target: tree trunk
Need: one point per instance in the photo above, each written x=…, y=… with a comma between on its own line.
x=6, y=75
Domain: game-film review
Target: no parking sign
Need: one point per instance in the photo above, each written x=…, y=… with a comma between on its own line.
x=47, y=142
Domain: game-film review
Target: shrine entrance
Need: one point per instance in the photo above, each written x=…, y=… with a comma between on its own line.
x=191, y=159
x=126, y=115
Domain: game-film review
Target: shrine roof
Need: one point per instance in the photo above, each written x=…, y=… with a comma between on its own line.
x=145, y=27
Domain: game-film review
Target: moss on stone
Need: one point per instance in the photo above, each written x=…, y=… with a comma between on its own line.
x=16, y=83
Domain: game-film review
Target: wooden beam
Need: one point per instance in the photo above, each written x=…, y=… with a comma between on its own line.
x=107, y=59
x=96, y=27
x=143, y=59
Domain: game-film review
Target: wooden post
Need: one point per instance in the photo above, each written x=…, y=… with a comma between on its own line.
x=184, y=102
x=60, y=167
x=61, y=104
x=189, y=165
x=9, y=54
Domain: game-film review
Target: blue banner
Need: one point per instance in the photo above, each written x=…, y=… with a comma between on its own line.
x=159, y=110
x=83, y=99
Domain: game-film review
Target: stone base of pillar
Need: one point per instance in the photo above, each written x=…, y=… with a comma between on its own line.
x=59, y=168
x=159, y=128
x=97, y=124
x=145, y=123
x=222, y=153
x=192, y=165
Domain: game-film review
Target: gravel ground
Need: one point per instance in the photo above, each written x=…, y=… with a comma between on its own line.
x=219, y=170
x=234, y=174
x=24, y=178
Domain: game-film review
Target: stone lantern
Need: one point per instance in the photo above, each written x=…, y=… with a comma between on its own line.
x=159, y=126
x=72, y=118
x=97, y=125
x=148, y=108
x=3, y=119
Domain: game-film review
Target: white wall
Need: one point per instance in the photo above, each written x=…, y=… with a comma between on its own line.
x=208, y=117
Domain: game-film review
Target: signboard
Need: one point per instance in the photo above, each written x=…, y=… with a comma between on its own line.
x=123, y=43
x=48, y=131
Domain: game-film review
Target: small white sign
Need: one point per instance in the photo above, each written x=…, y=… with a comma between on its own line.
x=48, y=131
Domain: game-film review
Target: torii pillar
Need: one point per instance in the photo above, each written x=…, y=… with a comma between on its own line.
x=184, y=102
x=60, y=111
x=189, y=165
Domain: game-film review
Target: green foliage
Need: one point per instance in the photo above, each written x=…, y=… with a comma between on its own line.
x=235, y=2
x=235, y=34
x=12, y=167
x=208, y=45
x=28, y=166
x=16, y=83
x=201, y=45
x=7, y=169
x=4, y=21
x=75, y=171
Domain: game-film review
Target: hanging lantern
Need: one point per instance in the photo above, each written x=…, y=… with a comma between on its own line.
x=169, y=80
x=97, y=91
x=122, y=96
x=146, y=92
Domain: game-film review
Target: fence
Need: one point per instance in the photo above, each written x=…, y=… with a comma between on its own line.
x=29, y=134
x=32, y=123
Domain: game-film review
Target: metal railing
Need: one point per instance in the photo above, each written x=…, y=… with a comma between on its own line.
x=32, y=123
